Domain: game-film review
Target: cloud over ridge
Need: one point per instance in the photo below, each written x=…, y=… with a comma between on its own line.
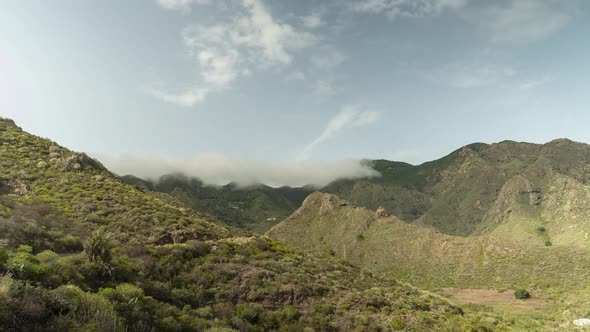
x=217, y=169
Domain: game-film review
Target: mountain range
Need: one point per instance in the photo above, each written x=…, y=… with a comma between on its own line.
x=80, y=250
x=500, y=216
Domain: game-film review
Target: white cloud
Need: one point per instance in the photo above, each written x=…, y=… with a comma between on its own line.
x=349, y=117
x=216, y=55
x=408, y=8
x=312, y=21
x=531, y=84
x=467, y=76
x=184, y=5
x=226, y=51
x=522, y=20
x=187, y=98
x=505, y=21
x=261, y=32
x=217, y=169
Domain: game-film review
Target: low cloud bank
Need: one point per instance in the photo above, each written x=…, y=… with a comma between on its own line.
x=215, y=169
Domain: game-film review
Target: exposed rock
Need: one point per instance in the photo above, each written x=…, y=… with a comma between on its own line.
x=80, y=161
x=582, y=322
x=329, y=203
x=11, y=123
x=382, y=213
x=15, y=187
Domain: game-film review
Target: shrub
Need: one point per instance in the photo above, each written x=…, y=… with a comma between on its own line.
x=397, y=324
x=522, y=294
x=87, y=310
x=98, y=248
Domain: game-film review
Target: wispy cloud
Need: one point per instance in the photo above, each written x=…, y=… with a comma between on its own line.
x=218, y=169
x=471, y=75
x=531, y=84
x=505, y=21
x=226, y=51
x=349, y=117
x=312, y=21
x=407, y=8
x=187, y=98
x=522, y=20
x=184, y=5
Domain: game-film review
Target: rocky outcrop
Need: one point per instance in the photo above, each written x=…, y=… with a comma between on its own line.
x=382, y=213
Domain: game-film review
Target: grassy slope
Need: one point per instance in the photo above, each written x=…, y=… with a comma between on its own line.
x=154, y=264
x=426, y=257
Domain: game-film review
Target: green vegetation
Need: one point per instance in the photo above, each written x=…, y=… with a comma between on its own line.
x=510, y=189
x=256, y=208
x=80, y=250
x=522, y=294
x=428, y=258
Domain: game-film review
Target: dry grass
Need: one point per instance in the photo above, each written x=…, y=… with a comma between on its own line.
x=494, y=297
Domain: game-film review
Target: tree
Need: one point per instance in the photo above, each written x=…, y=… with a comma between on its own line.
x=522, y=294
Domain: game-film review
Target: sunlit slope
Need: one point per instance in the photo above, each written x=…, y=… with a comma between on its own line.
x=426, y=256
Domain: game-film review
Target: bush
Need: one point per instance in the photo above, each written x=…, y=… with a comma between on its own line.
x=397, y=324
x=522, y=294
x=87, y=310
x=98, y=248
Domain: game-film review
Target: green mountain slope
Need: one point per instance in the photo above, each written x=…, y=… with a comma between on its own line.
x=80, y=250
x=478, y=189
x=468, y=192
x=426, y=257
x=255, y=208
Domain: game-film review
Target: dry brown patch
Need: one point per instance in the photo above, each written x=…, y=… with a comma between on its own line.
x=492, y=297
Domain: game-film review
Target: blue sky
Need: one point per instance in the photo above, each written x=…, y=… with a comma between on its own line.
x=258, y=87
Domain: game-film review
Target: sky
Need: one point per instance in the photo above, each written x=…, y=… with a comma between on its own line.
x=292, y=92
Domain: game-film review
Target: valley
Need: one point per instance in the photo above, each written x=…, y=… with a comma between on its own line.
x=467, y=230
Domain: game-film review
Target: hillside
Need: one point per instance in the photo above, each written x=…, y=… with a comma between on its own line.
x=482, y=189
x=80, y=250
x=423, y=255
x=507, y=189
x=255, y=208
x=431, y=259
